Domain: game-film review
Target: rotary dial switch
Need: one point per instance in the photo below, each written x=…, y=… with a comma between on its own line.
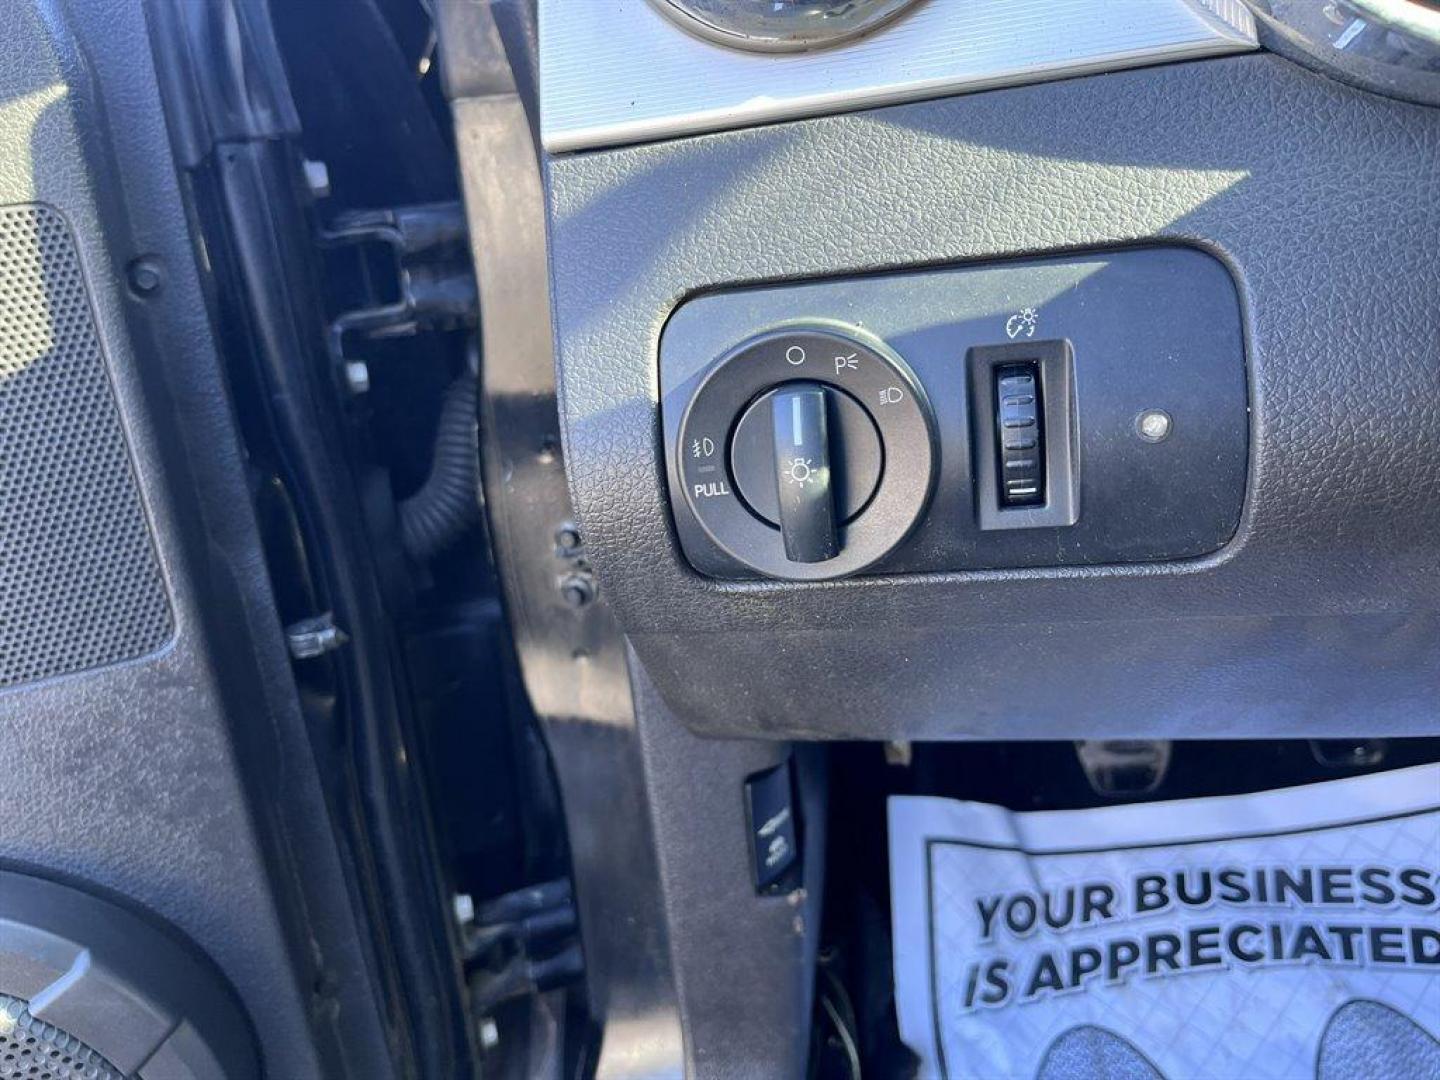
x=806, y=458
x=807, y=453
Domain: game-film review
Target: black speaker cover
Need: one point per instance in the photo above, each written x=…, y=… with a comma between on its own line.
x=91, y=989
x=80, y=585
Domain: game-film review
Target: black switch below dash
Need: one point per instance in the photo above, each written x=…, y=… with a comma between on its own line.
x=774, y=834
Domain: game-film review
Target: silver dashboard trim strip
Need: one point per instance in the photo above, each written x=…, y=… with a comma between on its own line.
x=617, y=71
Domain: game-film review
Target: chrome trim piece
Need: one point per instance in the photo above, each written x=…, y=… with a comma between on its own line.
x=617, y=71
x=794, y=27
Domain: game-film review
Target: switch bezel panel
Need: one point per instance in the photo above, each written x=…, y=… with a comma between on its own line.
x=1151, y=328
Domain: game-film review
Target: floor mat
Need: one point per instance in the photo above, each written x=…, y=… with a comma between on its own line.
x=1287, y=934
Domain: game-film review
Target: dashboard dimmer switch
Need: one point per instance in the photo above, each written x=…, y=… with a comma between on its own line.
x=1020, y=431
x=1025, y=435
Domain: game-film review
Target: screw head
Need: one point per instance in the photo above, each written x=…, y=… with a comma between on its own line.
x=145, y=275
x=567, y=538
x=1153, y=425
x=577, y=589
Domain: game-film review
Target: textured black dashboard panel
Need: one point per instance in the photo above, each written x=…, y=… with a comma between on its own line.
x=1321, y=614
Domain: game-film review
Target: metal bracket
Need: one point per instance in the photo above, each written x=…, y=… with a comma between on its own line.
x=1124, y=768
x=435, y=283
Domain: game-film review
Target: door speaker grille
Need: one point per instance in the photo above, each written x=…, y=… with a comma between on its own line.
x=31, y=1049
x=80, y=584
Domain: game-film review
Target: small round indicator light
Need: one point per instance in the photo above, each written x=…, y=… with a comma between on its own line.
x=1153, y=425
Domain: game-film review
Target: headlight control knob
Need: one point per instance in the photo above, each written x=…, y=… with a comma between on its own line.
x=807, y=453
x=806, y=457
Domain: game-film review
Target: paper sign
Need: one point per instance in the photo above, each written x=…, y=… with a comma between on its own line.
x=1292, y=934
